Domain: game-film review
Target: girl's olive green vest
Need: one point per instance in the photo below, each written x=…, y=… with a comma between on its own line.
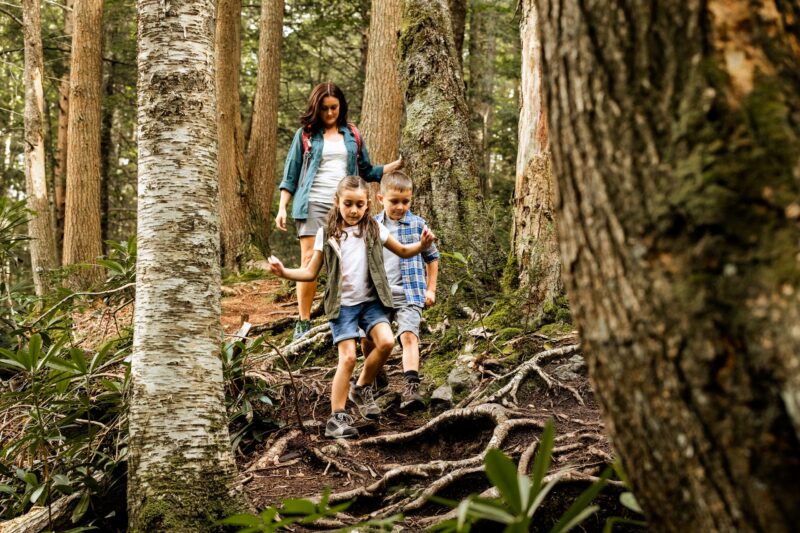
x=377, y=273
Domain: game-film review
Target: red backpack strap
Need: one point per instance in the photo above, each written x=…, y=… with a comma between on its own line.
x=357, y=135
x=305, y=137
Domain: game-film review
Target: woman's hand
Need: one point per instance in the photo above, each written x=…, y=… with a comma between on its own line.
x=388, y=168
x=275, y=266
x=280, y=218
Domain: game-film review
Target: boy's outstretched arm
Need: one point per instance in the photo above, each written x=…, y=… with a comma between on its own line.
x=306, y=273
x=431, y=275
x=410, y=250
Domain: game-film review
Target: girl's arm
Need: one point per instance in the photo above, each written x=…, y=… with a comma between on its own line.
x=410, y=250
x=306, y=273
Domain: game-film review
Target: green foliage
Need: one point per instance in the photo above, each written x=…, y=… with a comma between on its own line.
x=628, y=500
x=303, y=512
x=519, y=495
x=120, y=265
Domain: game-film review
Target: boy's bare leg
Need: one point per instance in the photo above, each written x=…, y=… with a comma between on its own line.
x=410, y=344
x=341, y=380
x=383, y=342
x=306, y=290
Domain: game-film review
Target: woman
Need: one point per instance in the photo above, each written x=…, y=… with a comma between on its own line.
x=325, y=149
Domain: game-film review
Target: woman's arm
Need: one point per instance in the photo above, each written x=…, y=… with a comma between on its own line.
x=410, y=250
x=280, y=217
x=306, y=273
x=388, y=168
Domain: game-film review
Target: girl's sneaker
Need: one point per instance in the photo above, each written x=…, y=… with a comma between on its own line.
x=301, y=327
x=361, y=395
x=339, y=426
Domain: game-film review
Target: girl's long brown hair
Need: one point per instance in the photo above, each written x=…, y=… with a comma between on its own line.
x=367, y=226
x=310, y=119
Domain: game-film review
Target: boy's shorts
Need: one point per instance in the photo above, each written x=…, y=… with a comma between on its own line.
x=408, y=318
x=352, y=317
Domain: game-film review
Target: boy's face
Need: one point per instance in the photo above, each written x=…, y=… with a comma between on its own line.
x=396, y=203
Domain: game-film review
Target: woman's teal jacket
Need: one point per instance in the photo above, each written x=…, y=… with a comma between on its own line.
x=300, y=168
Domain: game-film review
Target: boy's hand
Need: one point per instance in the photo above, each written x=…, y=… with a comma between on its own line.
x=275, y=266
x=430, y=298
x=427, y=238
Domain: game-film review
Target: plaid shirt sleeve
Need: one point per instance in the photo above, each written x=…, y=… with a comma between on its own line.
x=412, y=270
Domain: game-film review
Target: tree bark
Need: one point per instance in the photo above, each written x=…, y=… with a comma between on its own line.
x=232, y=187
x=262, y=147
x=60, y=178
x=676, y=147
x=40, y=225
x=458, y=22
x=534, y=239
x=82, y=241
x=181, y=468
x=436, y=138
x=382, y=109
x=482, y=51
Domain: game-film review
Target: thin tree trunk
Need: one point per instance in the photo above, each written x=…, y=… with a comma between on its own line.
x=262, y=147
x=60, y=178
x=676, y=147
x=436, y=137
x=458, y=22
x=482, y=51
x=40, y=225
x=82, y=241
x=107, y=152
x=382, y=109
x=232, y=187
x=181, y=469
x=534, y=240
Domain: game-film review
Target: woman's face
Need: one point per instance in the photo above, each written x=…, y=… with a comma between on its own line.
x=329, y=111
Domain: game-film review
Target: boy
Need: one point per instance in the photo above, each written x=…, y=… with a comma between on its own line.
x=413, y=280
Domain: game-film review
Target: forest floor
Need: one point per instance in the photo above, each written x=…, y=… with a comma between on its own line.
x=514, y=382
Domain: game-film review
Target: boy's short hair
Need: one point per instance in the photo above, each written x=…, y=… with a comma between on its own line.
x=396, y=181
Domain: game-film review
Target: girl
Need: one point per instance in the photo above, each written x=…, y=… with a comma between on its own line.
x=357, y=294
x=324, y=150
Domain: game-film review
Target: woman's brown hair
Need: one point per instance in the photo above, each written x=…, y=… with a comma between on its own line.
x=310, y=119
x=367, y=226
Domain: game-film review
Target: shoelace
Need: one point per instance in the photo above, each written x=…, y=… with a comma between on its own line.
x=344, y=417
x=366, y=393
x=411, y=386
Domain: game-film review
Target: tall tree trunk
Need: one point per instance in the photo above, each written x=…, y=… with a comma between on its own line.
x=107, y=151
x=676, y=145
x=533, y=239
x=232, y=189
x=262, y=147
x=458, y=22
x=436, y=137
x=382, y=108
x=482, y=51
x=40, y=225
x=60, y=178
x=82, y=241
x=181, y=469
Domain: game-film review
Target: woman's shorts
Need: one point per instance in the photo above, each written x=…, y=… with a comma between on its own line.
x=352, y=317
x=317, y=215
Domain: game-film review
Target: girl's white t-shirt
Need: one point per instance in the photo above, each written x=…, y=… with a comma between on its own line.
x=332, y=168
x=356, y=285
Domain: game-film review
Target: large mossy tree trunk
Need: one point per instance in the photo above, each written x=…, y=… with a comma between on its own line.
x=263, y=143
x=534, y=242
x=232, y=185
x=436, y=139
x=40, y=224
x=676, y=144
x=482, y=51
x=82, y=240
x=458, y=23
x=181, y=470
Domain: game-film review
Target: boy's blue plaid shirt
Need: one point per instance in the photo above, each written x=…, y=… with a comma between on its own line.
x=412, y=270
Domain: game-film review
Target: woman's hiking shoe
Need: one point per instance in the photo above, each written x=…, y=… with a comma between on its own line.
x=301, y=327
x=410, y=398
x=339, y=426
x=361, y=395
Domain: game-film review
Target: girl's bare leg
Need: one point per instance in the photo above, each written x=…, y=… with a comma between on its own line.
x=381, y=335
x=306, y=290
x=341, y=380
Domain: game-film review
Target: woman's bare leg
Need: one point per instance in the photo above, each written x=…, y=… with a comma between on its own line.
x=306, y=290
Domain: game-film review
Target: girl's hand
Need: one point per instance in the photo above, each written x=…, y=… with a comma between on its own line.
x=275, y=266
x=280, y=218
x=427, y=238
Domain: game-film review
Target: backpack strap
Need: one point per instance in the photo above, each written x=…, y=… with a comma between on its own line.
x=305, y=137
x=357, y=135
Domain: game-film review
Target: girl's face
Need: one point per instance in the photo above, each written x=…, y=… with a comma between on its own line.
x=329, y=111
x=353, y=205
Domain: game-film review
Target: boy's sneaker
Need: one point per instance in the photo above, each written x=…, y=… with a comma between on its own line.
x=361, y=395
x=301, y=327
x=339, y=426
x=410, y=398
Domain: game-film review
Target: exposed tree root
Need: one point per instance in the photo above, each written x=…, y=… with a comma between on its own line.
x=271, y=456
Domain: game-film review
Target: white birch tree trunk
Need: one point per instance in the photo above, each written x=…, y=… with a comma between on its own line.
x=40, y=226
x=181, y=469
